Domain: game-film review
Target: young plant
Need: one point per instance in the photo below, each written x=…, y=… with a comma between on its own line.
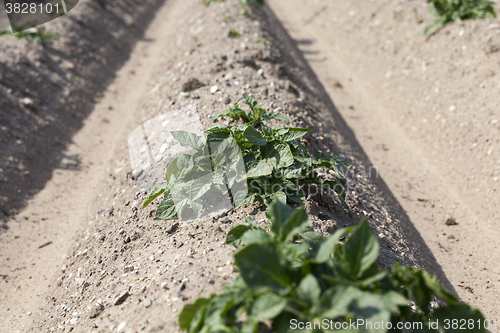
x=234, y=33
x=288, y=280
x=447, y=11
x=33, y=35
x=255, y=116
x=270, y=163
x=209, y=2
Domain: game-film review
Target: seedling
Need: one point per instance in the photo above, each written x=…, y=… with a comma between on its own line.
x=276, y=165
x=447, y=11
x=288, y=280
x=234, y=33
x=33, y=35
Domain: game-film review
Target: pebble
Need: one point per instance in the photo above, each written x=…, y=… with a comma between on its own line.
x=123, y=296
x=147, y=302
x=180, y=288
x=136, y=173
x=121, y=326
x=227, y=100
x=172, y=228
x=27, y=101
x=214, y=89
x=128, y=269
x=95, y=310
x=260, y=72
x=382, y=237
x=211, y=281
x=184, y=94
x=164, y=285
x=73, y=321
x=163, y=148
x=152, y=258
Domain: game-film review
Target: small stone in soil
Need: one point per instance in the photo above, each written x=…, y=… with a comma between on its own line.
x=127, y=269
x=147, y=302
x=451, y=221
x=123, y=296
x=172, y=228
x=180, y=288
x=95, y=310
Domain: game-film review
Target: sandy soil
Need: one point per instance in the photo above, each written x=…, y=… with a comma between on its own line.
x=426, y=112
x=83, y=241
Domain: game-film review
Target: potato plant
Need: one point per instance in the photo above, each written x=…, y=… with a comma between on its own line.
x=276, y=165
x=289, y=280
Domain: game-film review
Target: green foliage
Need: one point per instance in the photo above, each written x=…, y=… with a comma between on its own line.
x=289, y=276
x=209, y=2
x=33, y=35
x=255, y=116
x=269, y=161
x=447, y=11
x=234, y=33
x=264, y=41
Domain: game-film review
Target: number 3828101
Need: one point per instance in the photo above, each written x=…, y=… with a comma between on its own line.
x=31, y=8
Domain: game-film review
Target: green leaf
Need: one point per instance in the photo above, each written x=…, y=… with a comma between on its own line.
x=251, y=222
x=310, y=237
x=279, y=116
x=252, y=135
x=255, y=236
x=187, y=139
x=278, y=154
x=267, y=306
x=293, y=134
x=200, y=186
x=155, y=194
x=189, y=311
x=322, y=252
x=278, y=213
x=166, y=210
x=361, y=249
x=234, y=235
x=309, y=289
x=172, y=170
x=260, y=169
x=293, y=225
x=266, y=130
x=462, y=313
x=335, y=301
x=263, y=266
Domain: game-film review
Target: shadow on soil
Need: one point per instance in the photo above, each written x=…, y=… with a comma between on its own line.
x=97, y=55
x=289, y=49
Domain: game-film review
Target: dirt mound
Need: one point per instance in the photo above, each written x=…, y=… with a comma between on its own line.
x=128, y=271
